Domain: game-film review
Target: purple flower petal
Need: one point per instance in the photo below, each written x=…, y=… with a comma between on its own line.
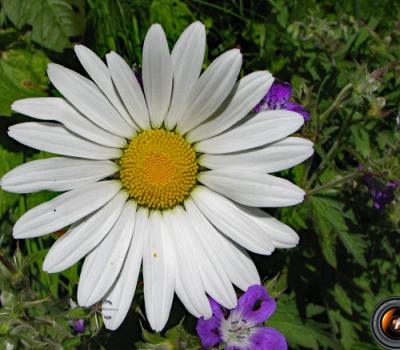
x=295, y=107
x=392, y=185
x=381, y=193
x=261, y=106
x=216, y=308
x=79, y=325
x=276, y=97
x=267, y=338
x=279, y=95
x=209, y=330
x=256, y=305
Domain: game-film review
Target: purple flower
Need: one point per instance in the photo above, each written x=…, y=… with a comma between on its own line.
x=381, y=193
x=241, y=328
x=79, y=325
x=278, y=97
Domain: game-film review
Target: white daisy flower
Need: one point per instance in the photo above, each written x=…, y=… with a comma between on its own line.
x=171, y=175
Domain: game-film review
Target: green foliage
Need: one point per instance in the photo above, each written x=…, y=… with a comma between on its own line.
x=342, y=59
x=173, y=15
x=9, y=160
x=26, y=321
x=22, y=74
x=299, y=333
x=53, y=22
x=176, y=338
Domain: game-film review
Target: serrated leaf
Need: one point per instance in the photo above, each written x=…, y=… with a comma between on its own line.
x=348, y=333
x=53, y=21
x=22, y=74
x=342, y=299
x=355, y=245
x=298, y=333
x=326, y=231
x=329, y=216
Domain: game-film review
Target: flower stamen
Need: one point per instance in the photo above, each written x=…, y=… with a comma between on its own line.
x=158, y=169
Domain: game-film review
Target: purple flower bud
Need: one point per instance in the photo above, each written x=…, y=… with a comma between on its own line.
x=381, y=193
x=79, y=325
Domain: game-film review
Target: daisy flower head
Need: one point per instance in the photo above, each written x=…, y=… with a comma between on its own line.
x=170, y=175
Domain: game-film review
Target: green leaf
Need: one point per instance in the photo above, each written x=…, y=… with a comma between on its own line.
x=22, y=74
x=77, y=313
x=299, y=333
x=53, y=21
x=173, y=15
x=323, y=217
x=342, y=299
x=348, y=333
x=182, y=339
x=9, y=160
x=355, y=245
x=329, y=219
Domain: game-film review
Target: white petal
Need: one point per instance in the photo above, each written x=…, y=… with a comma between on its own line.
x=187, y=60
x=216, y=282
x=65, y=209
x=83, y=236
x=189, y=284
x=233, y=221
x=243, y=98
x=282, y=235
x=87, y=98
x=103, y=264
x=56, y=174
x=129, y=89
x=263, y=128
x=251, y=188
x=117, y=303
x=56, y=108
x=157, y=74
x=271, y=158
x=158, y=272
x=100, y=74
x=211, y=89
x=237, y=264
x=54, y=138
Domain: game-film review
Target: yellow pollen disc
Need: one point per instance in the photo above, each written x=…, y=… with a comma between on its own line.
x=158, y=169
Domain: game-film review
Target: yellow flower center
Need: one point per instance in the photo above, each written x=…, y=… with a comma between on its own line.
x=158, y=169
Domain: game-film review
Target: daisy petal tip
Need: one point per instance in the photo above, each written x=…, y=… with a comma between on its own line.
x=110, y=324
x=47, y=267
x=198, y=26
x=17, y=234
x=16, y=105
x=267, y=76
x=236, y=52
x=78, y=48
x=156, y=29
x=51, y=67
x=111, y=55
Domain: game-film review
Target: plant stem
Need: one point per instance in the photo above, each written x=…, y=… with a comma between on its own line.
x=331, y=151
x=333, y=183
x=336, y=103
x=37, y=301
